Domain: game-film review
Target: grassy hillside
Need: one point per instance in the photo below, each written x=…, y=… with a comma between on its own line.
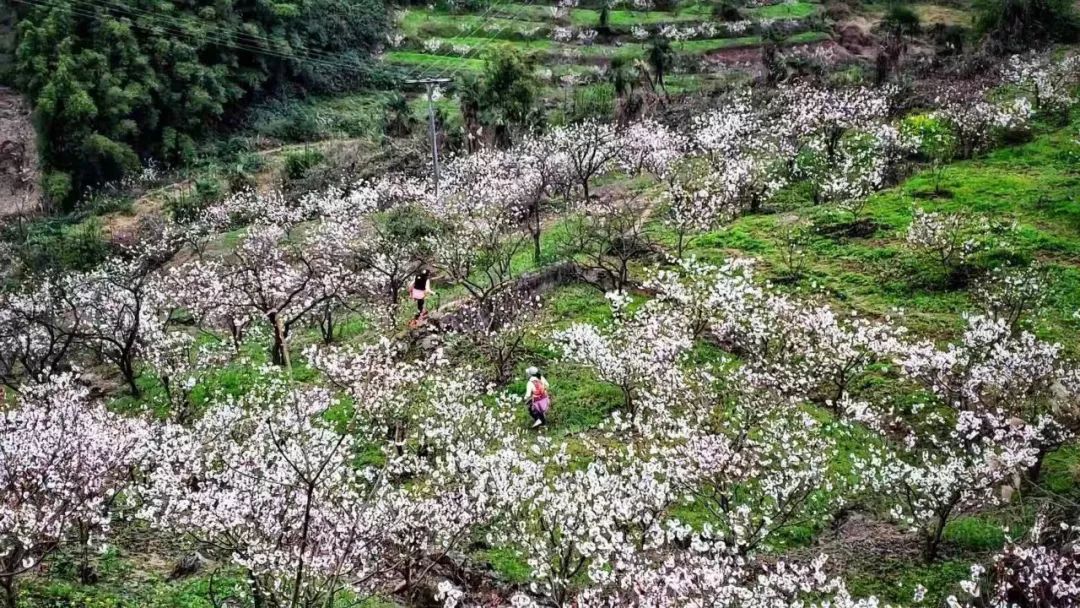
x=1033, y=185
x=441, y=42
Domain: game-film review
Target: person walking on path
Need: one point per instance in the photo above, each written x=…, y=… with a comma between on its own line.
x=536, y=395
x=419, y=291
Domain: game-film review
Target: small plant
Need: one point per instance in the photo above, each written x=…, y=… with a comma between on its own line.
x=794, y=234
x=951, y=239
x=935, y=141
x=298, y=164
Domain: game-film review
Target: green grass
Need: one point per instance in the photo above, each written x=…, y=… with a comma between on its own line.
x=477, y=44
x=584, y=17
x=1033, y=184
x=414, y=59
x=508, y=564
x=974, y=534
x=713, y=44
x=783, y=10
x=894, y=580
x=422, y=21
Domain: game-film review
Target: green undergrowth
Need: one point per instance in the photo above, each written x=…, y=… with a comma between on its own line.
x=1034, y=186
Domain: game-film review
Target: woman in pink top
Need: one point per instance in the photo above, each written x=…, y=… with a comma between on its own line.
x=420, y=289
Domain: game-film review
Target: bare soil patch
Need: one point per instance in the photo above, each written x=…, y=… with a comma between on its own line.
x=20, y=193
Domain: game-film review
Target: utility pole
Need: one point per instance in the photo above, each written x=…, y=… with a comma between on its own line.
x=430, y=84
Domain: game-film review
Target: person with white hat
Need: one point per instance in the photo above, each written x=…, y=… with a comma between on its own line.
x=536, y=395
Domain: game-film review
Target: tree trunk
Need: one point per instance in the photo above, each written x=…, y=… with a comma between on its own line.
x=305, y=526
x=278, y=353
x=11, y=591
x=933, y=540
x=258, y=600
x=1036, y=469
x=127, y=368
x=327, y=325
x=535, y=229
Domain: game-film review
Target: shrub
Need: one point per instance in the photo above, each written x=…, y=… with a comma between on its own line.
x=187, y=206
x=1016, y=25
x=949, y=39
x=287, y=122
x=57, y=186
x=593, y=101
x=975, y=534
x=727, y=11
x=101, y=203
x=410, y=224
x=59, y=245
x=900, y=20
x=298, y=164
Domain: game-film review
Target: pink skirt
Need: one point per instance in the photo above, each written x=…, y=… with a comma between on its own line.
x=418, y=294
x=541, y=405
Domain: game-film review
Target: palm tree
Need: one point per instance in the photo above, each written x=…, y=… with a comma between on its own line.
x=470, y=96
x=623, y=76
x=659, y=57
x=399, y=116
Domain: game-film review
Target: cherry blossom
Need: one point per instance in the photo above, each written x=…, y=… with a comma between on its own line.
x=65, y=460
x=950, y=467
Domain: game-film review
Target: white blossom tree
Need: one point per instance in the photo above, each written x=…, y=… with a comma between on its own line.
x=64, y=460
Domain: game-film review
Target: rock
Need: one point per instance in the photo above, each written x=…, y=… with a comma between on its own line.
x=855, y=39
x=188, y=565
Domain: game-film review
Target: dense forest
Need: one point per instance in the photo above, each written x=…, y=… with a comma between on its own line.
x=120, y=81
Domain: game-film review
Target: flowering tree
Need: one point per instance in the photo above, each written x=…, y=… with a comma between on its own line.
x=37, y=332
x=122, y=312
x=763, y=470
x=269, y=279
x=861, y=163
x=803, y=348
x=604, y=238
x=497, y=332
x=976, y=122
x=589, y=149
x=1039, y=570
x=949, y=238
x=824, y=116
x=582, y=522
x=482, y=207
x=650, y=146
x=265, y=482
x=1048, y=81
x=697, y=291
x=63, y=461
x=992, y=368
x=542, y=172
x=730, y=130
x=1010, y=294
x=696, y=201
x=378, y=259
x=710, y=577
x=639, y=354
x=944, y=468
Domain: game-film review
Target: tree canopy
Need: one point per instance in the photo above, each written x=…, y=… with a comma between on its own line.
x=117, y=81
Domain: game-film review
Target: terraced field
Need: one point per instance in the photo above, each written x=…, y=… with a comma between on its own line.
x=570, y=47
